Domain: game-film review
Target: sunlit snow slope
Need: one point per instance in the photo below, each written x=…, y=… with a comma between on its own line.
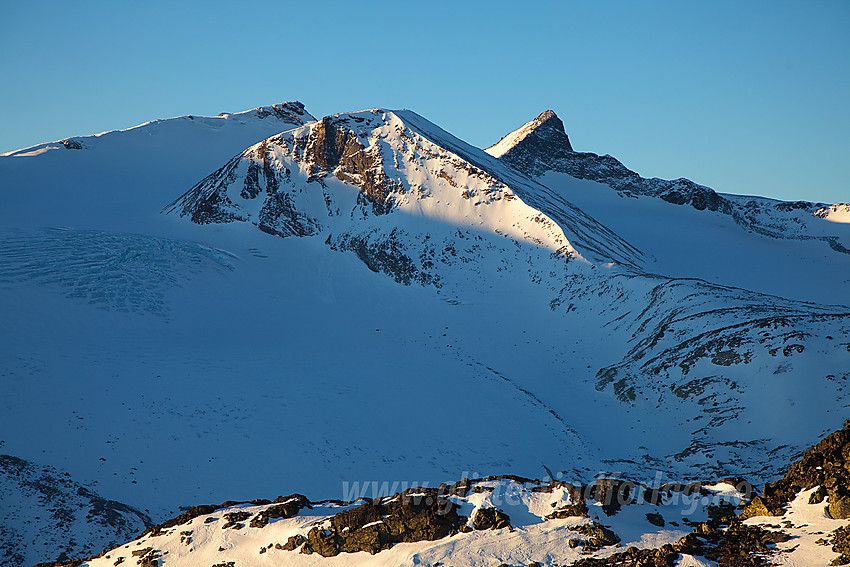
x=105, y=179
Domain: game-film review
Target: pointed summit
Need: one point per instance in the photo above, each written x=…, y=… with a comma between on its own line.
x=542, y=145
x=545, y=130
x=542, y=139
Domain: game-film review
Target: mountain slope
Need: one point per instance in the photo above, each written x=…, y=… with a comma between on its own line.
x=269, y=346
x=391, y=156
x=288, y=113
x=782, y=248
x=47, y=515
x=677, y=334
x=93, y=181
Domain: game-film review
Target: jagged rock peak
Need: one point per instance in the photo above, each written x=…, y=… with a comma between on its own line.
x=547, y=128
x=548, y=120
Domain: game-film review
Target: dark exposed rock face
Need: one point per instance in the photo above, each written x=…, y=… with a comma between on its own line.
x=281, y=217
x=548, y=148
x=665, y=556
x=735, y=545
x=387, y=254
x=292, y=112
x=732, y=545
x=284, y=505
x=612, y=494
x=72, y=144
x=290, y=506
x=293, y=543
x=490, y=519
x=183, y=518
x=739, y=544
x=569, y=511
x=841, y=544
x=823, y=466
x=547, y=141
x=595, y=536
x=377, y=525
x=333, y=148
x=208, y=202
x=262, y=162
x=235, y=519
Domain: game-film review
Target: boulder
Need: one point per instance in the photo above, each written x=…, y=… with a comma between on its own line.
x=490, y=519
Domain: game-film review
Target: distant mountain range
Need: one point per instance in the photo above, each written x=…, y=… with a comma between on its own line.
x=202, y=309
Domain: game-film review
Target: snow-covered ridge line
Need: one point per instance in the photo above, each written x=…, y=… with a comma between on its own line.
x=542, y=145
x=291, y=113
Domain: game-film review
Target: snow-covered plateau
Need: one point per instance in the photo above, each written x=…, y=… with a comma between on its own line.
x=203, y=310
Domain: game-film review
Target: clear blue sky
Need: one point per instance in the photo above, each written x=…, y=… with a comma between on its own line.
x=747, y=97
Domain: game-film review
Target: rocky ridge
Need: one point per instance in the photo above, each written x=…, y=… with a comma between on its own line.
x=694, y=359
x=542, y=145
x=560, y=523
x=545, y=146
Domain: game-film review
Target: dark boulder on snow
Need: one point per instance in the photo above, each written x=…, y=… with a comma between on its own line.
x=490, y=519
x=379, y=524
x=284, y=508
x=595, y=536
x=569, y=511
x=841, y=544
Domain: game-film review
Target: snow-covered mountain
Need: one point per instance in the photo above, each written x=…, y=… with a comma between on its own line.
x=350, y=177
x=368, y=298
x=377, y=184
x=792, y=249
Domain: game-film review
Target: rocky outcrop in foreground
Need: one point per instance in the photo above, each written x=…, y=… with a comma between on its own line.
x=823, y=467
x=560, y=524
